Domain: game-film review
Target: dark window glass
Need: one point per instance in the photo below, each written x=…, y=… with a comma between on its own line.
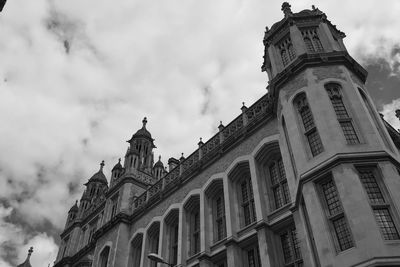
x=378, y=203
x=315, y=143
x=336, y=215
x=291, y=248
x=279, y=184
x=386, y=224
x=342, y=233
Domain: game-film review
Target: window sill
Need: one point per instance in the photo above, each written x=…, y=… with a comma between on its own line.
x=247, y=228
x=192, y=258
x=218, y=244
x=280, y=211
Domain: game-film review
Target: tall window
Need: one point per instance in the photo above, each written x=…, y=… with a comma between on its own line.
x=136, y=252
x=335, y=214
x=195, y=233
x=93, y=228
x=172, y=235
x=153, y=238
x=345, y=121
x=174, y=244
x=253, y=256
x=291, y=248
x=379, y=204
x=286, y=50
x=220, y=218
x=310, y=130
x=114, y=205
x=104, y=257
x=279, y=184
x=247, y=198
x=311, y=40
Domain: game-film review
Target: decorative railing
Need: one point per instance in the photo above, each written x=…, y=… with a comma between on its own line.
x=206, y=151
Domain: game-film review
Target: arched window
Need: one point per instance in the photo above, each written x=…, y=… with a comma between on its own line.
x=247, y=201
x=279, y=185
x=311, y=40
x=309, y=45
x=287, y=50
x=285, y=58
x=136, y=250
x=192, y=210
x=310, y=130
x=292, y=53
x=153, y=240
x=345, y=121
x=171, y=238
x=317, y=44
x=104, y=257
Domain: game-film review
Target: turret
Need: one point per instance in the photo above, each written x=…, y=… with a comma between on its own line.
x=140, y=153
x=96, y=187
x=172, y=163
x=333, y=140
x=72, y=214
x=116, y=172
x=158, y=169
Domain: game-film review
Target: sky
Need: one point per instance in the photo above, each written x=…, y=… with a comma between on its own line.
x=77, y=78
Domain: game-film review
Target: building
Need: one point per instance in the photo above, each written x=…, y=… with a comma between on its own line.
x=309, y=175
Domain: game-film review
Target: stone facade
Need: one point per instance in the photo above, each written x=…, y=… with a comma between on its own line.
x=309, y=175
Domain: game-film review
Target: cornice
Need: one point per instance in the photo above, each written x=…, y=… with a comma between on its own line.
x=315, y=60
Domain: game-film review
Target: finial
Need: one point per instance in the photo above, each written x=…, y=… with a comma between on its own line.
x=76, y=202
x=144, y=121
x=313, y=7
x=266, y=29
x=101, y=165
x=159, y=158
x=286, y=9
x=221, y=126
x=243, y=108
x=119, y=160
x=30, y=252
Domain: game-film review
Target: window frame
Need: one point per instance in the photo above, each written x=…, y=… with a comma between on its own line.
x=256, y=250
x=386, y=204
x=219, y=220
x=312, y=34
x=294, y=246
x=280, y=182
x=332, y=218
x=300, y=102
x=285, y=47
x=250, y=204
x=347, y=118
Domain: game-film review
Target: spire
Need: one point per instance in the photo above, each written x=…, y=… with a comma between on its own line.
x=99, y=176
x=144, y=121
x=26, y=263
x=101, y=166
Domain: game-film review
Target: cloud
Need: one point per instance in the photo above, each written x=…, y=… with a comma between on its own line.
x=77, y=77
x=15, y=242
x=388, y=111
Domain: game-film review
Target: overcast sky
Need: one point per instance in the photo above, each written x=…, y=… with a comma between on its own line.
x=77, y=77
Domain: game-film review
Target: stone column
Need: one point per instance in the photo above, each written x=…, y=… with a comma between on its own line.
x=233, y=254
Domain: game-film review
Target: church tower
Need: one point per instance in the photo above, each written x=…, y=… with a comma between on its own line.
x=140, y=152
x=345, y=163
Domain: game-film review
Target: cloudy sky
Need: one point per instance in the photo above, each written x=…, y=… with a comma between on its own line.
x=77, y=77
